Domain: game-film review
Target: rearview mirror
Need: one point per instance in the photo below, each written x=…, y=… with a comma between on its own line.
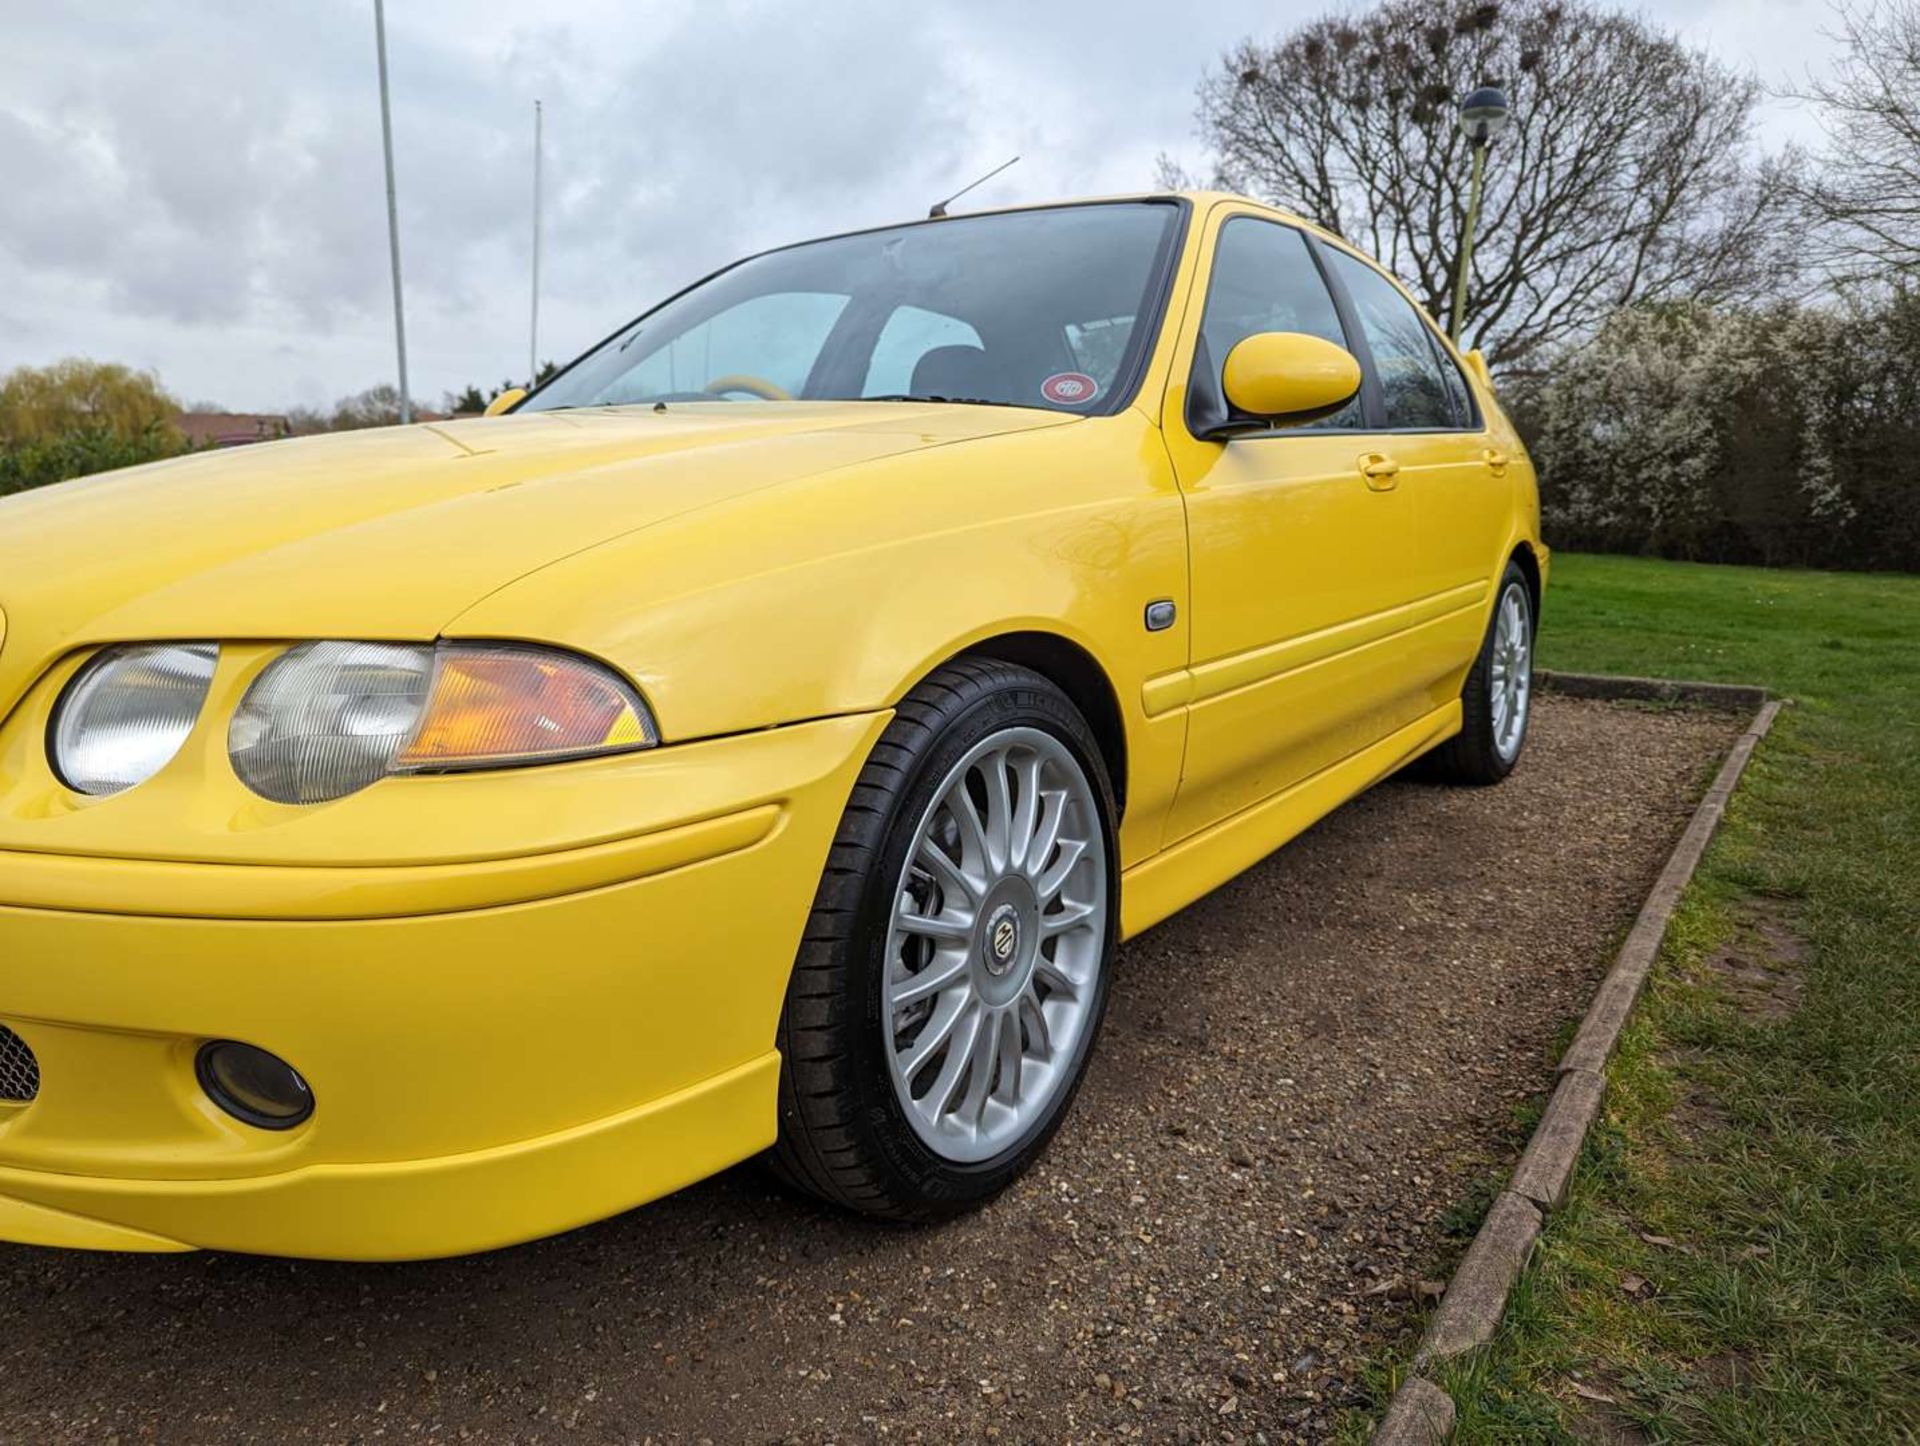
x=1289, y=377
x=511, y=397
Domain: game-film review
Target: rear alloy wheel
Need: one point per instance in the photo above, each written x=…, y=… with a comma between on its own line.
x=955, y=970
x=1510, y=684
x=1496, y=702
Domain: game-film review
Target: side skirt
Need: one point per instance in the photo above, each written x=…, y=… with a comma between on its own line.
x=1174, y=878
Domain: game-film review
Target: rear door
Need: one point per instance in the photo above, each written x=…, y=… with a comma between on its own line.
x=1303, y=545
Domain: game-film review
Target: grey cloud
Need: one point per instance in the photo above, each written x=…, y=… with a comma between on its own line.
x=199, y=185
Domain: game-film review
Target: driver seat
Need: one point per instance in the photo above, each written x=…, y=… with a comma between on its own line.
x=956, y=372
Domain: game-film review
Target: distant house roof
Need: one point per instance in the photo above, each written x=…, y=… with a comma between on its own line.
x=230, y=429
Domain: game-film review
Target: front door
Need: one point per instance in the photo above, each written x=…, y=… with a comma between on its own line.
x=1303, y=542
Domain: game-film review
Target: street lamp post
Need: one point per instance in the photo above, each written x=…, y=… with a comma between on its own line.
x=1483, y=115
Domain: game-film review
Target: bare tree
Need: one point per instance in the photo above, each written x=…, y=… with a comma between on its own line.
x=1865, y=191
x=1626, y=174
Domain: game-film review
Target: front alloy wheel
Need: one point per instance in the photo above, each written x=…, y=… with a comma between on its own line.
x=996, y=944
x=954, y=972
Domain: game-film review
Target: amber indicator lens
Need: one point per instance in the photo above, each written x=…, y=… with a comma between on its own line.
x=495, y=705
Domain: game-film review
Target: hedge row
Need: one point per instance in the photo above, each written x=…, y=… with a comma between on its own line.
x=1782, y=436
x=75, y=454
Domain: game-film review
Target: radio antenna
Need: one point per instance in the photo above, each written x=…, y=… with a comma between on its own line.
x=940, y=207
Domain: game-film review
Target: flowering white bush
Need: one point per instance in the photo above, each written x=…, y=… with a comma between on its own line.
x=1777, y=435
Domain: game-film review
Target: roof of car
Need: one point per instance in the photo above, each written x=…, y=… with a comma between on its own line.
x=1201, y=200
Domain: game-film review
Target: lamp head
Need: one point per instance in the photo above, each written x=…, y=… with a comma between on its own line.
x=1484, y=114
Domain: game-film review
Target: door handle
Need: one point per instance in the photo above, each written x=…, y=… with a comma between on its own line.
x=1381, y=471
x=1496, y=460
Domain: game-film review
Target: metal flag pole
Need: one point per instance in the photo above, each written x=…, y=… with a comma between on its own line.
x=393, y=212
x=533, y=325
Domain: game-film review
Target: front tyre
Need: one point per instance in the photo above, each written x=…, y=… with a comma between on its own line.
x=1497, y=699
x=954, y=971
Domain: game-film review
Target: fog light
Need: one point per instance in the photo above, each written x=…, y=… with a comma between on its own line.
x=251, y=1085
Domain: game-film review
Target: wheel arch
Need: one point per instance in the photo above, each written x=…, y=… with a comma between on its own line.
x=1078, y=674
x=1529, y=563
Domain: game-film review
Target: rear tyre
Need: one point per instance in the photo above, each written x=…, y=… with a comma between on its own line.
x=1497, y=699
x=954, y=971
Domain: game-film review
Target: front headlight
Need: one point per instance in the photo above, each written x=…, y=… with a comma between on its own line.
x=326, y=719
x=125, y=714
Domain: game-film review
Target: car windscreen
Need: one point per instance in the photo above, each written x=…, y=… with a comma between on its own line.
x=1046, y=308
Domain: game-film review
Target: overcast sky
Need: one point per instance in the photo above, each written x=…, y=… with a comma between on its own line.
x=195, y=187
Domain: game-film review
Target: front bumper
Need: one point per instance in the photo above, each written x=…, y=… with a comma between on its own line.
x=499, y=1048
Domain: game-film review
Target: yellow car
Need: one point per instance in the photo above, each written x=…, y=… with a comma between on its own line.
x=755, y=740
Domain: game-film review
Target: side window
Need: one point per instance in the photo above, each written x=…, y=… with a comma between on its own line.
x=1264, y=279
x=1457, y=392
x=1413, y=388
x=776, y=337
x=910, y=333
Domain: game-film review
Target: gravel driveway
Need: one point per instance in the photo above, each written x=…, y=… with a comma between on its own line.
x=1298, y=1078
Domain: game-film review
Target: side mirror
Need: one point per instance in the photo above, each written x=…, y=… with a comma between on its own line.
x=1289, y=377
x=1477, y=362
x=511, y=397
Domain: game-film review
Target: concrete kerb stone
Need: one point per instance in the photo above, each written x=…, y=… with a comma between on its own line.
x=1546, y=1169
x=1476, y=1299
x=1421, y=1415
x=1740, y=697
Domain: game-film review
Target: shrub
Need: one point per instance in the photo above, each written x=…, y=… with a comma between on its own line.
x=77, y=453
x=1783, y=435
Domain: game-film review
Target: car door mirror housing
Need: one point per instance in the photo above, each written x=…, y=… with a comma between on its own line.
x=510, y=398
x=1288, y=377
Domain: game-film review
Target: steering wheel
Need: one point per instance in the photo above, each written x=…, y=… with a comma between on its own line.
x=741, y=382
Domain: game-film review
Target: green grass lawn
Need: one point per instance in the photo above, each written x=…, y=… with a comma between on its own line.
x=1740, y=1260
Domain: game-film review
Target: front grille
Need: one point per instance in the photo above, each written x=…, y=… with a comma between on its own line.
x=19, y=1070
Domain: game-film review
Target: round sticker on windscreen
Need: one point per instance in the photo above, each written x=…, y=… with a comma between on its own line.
x=1069, y=389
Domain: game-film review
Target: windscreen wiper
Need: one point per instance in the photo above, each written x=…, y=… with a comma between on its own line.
x=928, y=397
